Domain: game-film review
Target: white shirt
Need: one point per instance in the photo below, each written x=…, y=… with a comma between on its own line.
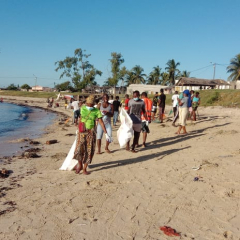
x=174, y=99
x=75, y=105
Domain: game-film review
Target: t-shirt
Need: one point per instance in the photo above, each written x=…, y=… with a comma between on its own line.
x=126, y=103
x=185, y=102
x=75, y=105
x=111, y=101
x=162, y=97
x=89, y=118
x=174, y=99
x=116, y=105
x=136, y=108
x=148, y=108
x=155, y=101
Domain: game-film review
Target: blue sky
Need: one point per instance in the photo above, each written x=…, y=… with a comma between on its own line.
x=34, y=34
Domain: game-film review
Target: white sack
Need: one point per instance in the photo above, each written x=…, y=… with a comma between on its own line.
x=125, y=132
x=69, y=163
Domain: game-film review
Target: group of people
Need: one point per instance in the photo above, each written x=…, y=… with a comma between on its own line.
x=185, y=106
x=96, y=116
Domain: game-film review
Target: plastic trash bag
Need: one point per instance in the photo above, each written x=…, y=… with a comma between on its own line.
x=125, y=132
x=69, y=163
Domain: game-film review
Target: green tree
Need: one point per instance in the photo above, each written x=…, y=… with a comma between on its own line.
x=138, y=75
x=12, y=87
x=164, y=78
x=78, y=68
x=155, y=76
x=118, y=73
x=129, y=79
x=172, y=70
x=64, y=86
x=184, y=73
x=234, y=68
x=25, y=86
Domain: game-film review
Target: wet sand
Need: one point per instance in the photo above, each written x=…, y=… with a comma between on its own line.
x=127, y=195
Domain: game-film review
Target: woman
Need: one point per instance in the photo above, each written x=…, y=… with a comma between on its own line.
x=184, y=105
x=195, y=104
x=107, y=112
x=85, y=146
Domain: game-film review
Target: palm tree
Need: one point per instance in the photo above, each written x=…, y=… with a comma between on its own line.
x=155, y=76
x=184, y=73
x=138, y=75
x=234, y=68
x=165, y=78
x=129, y=78
x=172, y=70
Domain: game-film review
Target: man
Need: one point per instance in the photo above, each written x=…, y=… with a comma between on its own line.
x=76, y=110
x=175, y=97
x=161, y=104
x=126, y=102
x=154, y=107
x=136, y=106
x=116, y=105
x=148, y=107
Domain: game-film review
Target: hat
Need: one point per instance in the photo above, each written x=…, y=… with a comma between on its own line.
x=90, y=99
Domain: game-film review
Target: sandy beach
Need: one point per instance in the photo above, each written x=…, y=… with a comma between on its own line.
x=129, y=195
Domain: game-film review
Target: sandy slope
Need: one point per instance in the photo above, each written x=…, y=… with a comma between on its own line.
x=129, y=196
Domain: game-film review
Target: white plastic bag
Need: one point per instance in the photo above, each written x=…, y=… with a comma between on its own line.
x=69, y=163
x=125, y=132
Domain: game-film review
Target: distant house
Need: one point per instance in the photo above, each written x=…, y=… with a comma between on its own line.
x=198, y=84
x=38, y=88
x=235, y=84
x=150, y=89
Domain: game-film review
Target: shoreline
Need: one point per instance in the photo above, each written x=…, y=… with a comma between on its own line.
x=21, y=140
x=129, y=195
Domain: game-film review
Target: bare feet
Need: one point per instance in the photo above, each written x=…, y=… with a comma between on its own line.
x=78, y=168
x=85, y=172
x=134, y=151
x=107, y=151
x=98, y=152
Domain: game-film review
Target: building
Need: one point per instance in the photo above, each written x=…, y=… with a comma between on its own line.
x=198, y=84
x=150, y=89
x=235, y=84
x=38, y=88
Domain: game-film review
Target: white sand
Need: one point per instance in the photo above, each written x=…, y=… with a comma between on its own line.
x=127, y=195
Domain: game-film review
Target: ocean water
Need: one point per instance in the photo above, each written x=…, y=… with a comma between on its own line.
x=20, y=122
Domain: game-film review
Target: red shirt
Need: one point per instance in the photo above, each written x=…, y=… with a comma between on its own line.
x=126, y=103
x=148, y=108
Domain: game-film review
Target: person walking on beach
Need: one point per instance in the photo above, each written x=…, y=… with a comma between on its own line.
x=161, y=104
x=86, y=142
x=126, y=102
x=107, y=112
x=145, y=121
x=116, y=106
x=195, y=104
x=154, y=107
x=136, y=106
x=76, y=110
x=65, y=103
x=175, y=107
x=184, y=105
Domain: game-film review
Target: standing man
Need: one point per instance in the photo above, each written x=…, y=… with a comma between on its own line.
x=116, y=105
x=126, y=102
x=136, y=106
x=161, y=104
x=76, y=111
x=145, y=121
x=154, y=107
x=175, y=97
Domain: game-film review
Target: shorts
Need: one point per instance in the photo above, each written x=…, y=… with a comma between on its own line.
x=137, y=127
x=77, y=113
x=161, y=110
x=154, y=109
x=145, y=128
x=100, y=130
